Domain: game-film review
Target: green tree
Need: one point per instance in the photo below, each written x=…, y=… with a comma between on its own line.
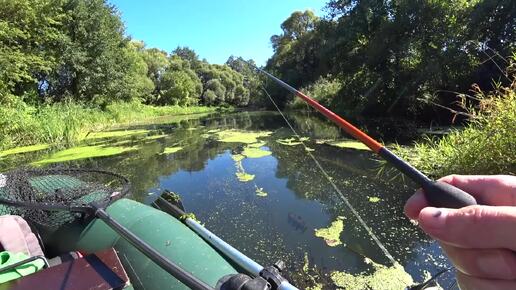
x=157, y=63
x=30, y=38
x=180, y=84
x=93, y=64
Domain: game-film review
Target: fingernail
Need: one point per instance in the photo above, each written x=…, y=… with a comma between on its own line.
x=432, y=218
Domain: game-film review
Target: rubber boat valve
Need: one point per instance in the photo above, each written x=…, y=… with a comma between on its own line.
x=270, y=278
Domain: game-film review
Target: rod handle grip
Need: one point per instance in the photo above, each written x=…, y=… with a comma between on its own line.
x=442, y=194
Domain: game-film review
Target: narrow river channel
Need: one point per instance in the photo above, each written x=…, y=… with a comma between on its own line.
x=248, y=179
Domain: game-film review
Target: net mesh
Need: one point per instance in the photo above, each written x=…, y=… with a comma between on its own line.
x=58, y=186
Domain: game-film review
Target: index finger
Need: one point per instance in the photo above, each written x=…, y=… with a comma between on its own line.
x=497, y=190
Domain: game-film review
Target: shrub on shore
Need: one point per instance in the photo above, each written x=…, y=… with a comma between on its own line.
x=487, y=145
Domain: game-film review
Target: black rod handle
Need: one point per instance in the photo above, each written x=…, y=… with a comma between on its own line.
x=442, y=194
x=180, y=274
x=438, y=194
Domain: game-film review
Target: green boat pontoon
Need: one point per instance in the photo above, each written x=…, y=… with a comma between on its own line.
x=92, y=237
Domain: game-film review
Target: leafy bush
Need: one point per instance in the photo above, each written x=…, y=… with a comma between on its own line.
x=323, y=90
x=486, y=146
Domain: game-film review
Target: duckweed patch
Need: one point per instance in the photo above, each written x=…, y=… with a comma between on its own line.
x=237, y=157
x=289, y=141
x=260, y=192
x=115, y=134
x=374, y=199
x=382, y=277
x=170, y=150
x=154, y=137
x=252, y=152
x=83, y=152
x=241, y=174
x=257, y=145
x=24, y=149
x=331, y=234
x=349, y=144
x=238, y=136
x=244, y=177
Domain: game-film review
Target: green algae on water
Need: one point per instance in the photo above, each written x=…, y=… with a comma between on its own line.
x=154, y=137
x=257, y=144
x=24, y=149
x=241, y=174
x=374, y=199
x=382, y=277
x=237, y=157
x=83, y=152
x=251, y=152
x=115, y=134
x=349, y=144
x=239, y=136
x=170, y=150
x=244, y=177
x=289, y=142
x=260, y=192
x=331, y=234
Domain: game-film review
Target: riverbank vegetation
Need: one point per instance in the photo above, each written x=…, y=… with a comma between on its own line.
x=394, y=58
x=66, y=123
x=486, y=145
x=67, y=65
x=415, y=60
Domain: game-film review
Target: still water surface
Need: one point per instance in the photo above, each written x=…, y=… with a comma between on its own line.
x=281, y=225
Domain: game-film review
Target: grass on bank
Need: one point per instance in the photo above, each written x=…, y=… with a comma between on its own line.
x=487, y=145
x=68, y=122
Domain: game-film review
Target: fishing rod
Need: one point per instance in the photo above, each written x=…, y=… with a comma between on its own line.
x=438, y=194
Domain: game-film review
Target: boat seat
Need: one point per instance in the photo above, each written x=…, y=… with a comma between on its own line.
x=16, y=236
x=100, y=271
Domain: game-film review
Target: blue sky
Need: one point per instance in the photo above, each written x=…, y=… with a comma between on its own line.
x=215, y=29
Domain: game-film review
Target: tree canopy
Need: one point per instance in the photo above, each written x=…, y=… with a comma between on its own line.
x=395, y=57
x=55, y=50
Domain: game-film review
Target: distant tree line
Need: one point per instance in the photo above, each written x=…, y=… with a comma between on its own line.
x=55, y=50
x=383, y=57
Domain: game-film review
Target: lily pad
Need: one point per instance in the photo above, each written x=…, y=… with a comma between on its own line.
x=170, y=150
x=24, y=149
x=331, y=234
x=83, y=152
x=260, y=192
x=251, y=152
x=238, y=136
x=383, y=277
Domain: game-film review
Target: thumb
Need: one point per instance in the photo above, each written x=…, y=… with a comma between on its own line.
x=476, y=226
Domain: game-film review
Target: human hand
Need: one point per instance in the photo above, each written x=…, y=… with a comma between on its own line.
x=480, y=240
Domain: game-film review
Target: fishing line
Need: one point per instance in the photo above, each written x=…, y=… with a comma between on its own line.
x=339, y=192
